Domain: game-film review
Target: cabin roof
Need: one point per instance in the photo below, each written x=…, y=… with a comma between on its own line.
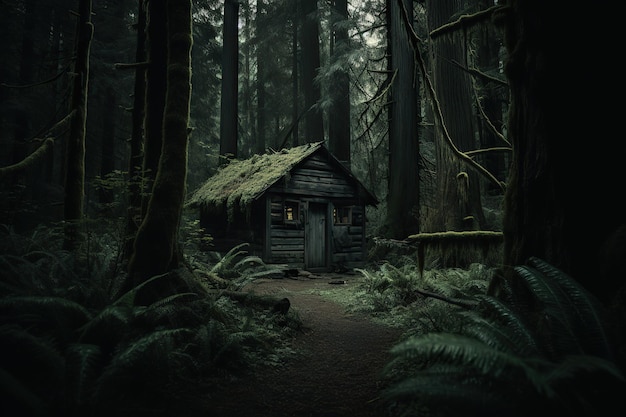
x=242, y=181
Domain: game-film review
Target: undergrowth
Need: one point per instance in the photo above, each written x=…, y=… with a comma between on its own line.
x=539, y=348
x=74, y=346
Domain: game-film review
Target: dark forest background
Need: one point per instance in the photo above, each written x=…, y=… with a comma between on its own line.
x=462, y=116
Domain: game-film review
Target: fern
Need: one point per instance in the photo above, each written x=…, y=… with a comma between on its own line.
x=83, y=365
x=500, y=349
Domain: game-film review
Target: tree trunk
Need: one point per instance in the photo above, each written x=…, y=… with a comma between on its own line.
x=156, y=86
x=459, y=201
x=156, y=248
x=262, y=55
x=107, y=139
x=75, y=171
x=403, y=197
x=133, y=218
x=339, y=112
x=562, y=201
x=230, y=75
x=295, y=93
x=310, y=65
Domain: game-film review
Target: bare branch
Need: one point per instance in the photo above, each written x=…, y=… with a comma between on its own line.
x=49, y=80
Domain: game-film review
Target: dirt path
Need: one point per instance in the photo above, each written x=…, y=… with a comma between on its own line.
x=338, y=372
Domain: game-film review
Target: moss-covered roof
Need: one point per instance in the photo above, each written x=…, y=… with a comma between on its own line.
x=242, y=181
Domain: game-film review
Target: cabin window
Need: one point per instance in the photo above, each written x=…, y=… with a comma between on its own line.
x=291, y=212
x=342, y=215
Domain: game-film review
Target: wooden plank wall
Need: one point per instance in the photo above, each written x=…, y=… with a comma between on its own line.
x=349, y=241
x=286, y=239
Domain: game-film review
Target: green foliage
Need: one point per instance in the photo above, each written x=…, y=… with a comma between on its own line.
x=73, y=346
x=544, y=353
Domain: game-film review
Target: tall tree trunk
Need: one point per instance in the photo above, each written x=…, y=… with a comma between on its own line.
x=230, y=75
x=562, y=201
x=339, y=112
x=248, y=144
x=310, y=65
x=459, y=201
x=262, y=55
x=75, y=171
x=135, y=189
x=156, y=248
x=295, y=82
x=156, y=86
x=491, y=97
x=403, y=197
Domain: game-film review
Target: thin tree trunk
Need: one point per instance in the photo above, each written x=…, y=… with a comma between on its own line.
x=136, y=141
x=75, y=172
x=295, y=141
x=107, y=135
x=230, y=75
x=261, y=56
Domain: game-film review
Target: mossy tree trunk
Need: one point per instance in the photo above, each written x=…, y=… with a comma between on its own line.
x=156, y=249
x=75, y=168
x=562, y=201
x=458, y=188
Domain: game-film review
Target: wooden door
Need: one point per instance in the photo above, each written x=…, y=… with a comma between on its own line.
x=315, y=236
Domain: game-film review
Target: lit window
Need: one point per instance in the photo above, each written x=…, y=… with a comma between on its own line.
x=291, y=212
x=342, y=215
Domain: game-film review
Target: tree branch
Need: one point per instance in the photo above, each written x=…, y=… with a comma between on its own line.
x=437, y=106
x=466, y=20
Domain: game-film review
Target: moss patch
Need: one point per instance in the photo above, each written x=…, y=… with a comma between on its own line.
x=239, y=183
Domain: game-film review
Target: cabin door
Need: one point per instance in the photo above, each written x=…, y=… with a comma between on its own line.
x=315, y=236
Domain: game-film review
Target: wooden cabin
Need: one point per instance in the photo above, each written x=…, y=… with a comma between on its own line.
x=300, y=207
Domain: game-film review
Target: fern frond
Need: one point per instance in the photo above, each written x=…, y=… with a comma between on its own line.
x=441, y=393
x=585, y=312
x=226, y=261
x=136, y=350
x=506, y=323
x=128, y=298
x=83, y=365
x=555, y=322
x=107, y=328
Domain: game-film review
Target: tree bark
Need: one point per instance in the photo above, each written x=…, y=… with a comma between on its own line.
x=156, y=86
x=262, y=55
x=339, y=113
x=75, y=171
x=562, y=201
x=230, y=75
x=459, y=199
x=133, y=216
x=310, y=44
x=403, y=197
x=156, y=248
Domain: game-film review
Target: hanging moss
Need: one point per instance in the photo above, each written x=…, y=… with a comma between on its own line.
x=239, y=183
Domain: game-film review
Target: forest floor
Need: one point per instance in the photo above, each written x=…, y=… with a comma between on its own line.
x=336, y=370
